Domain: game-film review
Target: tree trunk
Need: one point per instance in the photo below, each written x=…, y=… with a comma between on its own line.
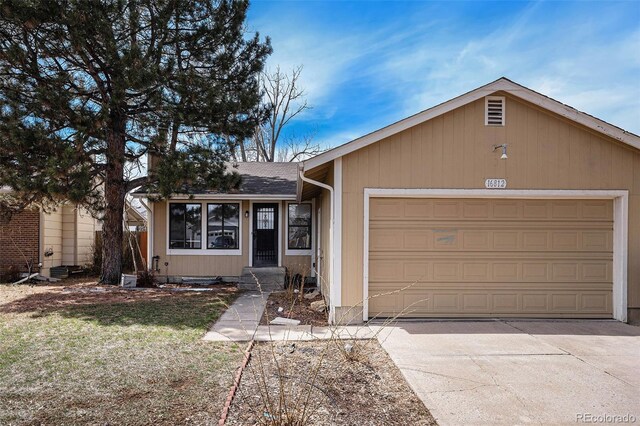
x=114, y=194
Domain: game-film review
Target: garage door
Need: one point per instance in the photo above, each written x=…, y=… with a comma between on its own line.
x=485, y=257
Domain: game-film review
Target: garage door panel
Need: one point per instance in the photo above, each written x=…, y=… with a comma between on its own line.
x=438, y=239
x=487, y=271
x=492, y=303
x=492, y=257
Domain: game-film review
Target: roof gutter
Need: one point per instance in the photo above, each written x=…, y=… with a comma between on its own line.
x=266, y=197
x=332, y=284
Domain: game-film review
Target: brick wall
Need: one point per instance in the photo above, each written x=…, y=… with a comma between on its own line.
x=18, y=238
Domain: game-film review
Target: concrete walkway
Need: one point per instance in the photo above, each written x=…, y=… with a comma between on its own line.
x=520, y=372
x=240, y=323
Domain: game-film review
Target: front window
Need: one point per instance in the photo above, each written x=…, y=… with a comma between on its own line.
x=223, y=226
x=299, y=220
x=185, y=226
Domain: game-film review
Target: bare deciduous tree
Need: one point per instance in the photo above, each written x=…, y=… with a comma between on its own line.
x=285, y=100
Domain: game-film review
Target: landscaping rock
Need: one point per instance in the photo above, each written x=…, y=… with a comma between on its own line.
x=311, y=295
x=319, y=306
x=284, y=321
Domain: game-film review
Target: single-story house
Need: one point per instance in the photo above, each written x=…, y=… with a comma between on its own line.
x=501, y=202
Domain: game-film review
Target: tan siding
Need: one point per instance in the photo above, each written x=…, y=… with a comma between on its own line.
x=52, y=239
x=192, y=265
x=85, y=235
x=455, y=151
x=68, y=235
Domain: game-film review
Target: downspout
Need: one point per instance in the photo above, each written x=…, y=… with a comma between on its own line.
x=332, y=289
x=150, y=232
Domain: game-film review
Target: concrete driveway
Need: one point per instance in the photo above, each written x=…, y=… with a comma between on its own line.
x=520, y=372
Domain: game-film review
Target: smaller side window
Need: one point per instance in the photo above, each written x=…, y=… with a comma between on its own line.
x=299, y=225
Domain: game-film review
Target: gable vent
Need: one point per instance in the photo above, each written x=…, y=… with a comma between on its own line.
x=494, y=111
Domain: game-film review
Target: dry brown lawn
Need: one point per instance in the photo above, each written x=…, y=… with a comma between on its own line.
x=100, y=355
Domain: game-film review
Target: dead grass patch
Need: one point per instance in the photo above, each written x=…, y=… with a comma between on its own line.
x=92, y=354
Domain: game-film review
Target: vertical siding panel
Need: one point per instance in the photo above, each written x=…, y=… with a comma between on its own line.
x=458, y=144
x=385, y=155
x=516, y=147
x=350, y=172
x=482, y=141
x=471, y=166
x=404, y=172
x=636, y=174
x=374, y=166
x=426, y=159
x=418, y=166
x=449, y=163
x=575, y=157
x=363, y=165
x=564, y=156
x=604, y=164
x=545, y=149
x=532, y=147
x=437, y=160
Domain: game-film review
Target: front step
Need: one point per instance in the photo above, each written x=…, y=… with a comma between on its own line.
x=270, y=279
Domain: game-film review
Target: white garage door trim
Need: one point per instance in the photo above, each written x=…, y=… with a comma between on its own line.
x=620, y=227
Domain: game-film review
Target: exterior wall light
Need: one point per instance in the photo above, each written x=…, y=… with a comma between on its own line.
x=504, y=150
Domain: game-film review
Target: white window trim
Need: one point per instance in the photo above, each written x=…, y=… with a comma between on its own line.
x=298, y=252
x=203, y=250
x=486, y=110
x=620, y=227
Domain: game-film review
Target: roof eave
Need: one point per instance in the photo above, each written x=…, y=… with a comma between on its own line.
x=274, y=197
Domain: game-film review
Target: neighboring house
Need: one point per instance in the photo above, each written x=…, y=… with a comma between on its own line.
x=64, y=237
x=501, y=202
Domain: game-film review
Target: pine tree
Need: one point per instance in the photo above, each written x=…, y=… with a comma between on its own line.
x=90, y=88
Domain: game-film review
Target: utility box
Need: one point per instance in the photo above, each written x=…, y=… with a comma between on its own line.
x=128, y=280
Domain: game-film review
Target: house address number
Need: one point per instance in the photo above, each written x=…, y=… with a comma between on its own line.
x=495, y=183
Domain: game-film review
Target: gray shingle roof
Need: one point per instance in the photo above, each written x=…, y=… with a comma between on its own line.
x=267, y=178
x=258, y=178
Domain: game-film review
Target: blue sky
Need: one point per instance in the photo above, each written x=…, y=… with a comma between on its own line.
x=368, y=64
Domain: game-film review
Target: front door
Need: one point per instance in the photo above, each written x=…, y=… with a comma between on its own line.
x=265, y=234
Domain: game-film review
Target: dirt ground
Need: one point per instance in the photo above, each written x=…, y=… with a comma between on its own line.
x=295, y=307
x=316, y=383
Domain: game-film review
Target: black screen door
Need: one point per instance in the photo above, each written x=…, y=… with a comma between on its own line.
x=265, y=235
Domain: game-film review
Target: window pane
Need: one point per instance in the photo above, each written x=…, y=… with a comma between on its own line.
x=265, y=218
x=184, y=225
x=193, y=222
x=299, y=238
x=299, y=226
x=223, y=226
x=300, y=214
x=232, y=225
x=176, y=226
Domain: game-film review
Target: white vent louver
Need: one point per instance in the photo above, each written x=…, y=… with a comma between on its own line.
x=494, y=111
